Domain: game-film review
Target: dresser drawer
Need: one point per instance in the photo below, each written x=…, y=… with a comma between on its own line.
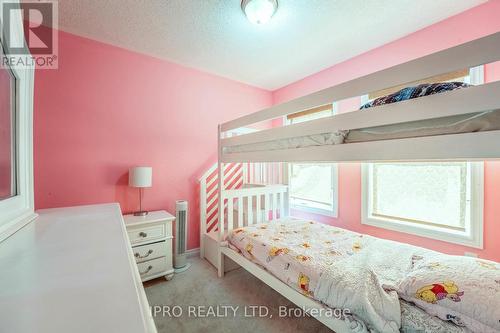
x=145, y=234
x=149, y=251
x=152, y=267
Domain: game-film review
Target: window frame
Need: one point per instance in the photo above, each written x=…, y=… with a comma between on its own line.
x=308, y=209
x=471, y=237
x=335, y=172
x=13, y=132
x=18, y=210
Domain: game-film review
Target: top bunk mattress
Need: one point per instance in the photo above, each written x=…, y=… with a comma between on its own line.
x=467, y=123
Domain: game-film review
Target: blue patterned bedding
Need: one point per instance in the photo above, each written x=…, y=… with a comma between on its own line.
x=465, y=123
x=415, y=92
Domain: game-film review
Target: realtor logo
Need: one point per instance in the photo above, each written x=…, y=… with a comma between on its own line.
x=40, y=43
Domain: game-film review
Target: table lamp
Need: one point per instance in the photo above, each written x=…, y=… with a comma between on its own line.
x=140, y=177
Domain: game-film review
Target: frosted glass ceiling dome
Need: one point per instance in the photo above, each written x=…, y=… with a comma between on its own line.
x=259, y=11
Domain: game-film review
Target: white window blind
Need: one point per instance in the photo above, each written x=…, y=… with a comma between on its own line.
x=440, y=200
x=435, y=194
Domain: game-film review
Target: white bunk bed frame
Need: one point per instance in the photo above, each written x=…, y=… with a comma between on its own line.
x=467, y=146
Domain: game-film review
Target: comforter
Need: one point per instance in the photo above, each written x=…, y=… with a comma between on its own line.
x=340, y=268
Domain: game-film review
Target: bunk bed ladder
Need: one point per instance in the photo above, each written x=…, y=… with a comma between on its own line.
x=235, y=175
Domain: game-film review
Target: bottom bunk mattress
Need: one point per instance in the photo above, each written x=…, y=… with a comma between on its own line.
x=467, y=123
x=344, y=270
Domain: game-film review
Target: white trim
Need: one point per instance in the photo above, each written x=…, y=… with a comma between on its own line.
x=476, y=75
x=335, y=200
x=191, y=253
x=335, y=108
x=364, y=99
x=473, y=237
x=318, y=211
x=17, y=211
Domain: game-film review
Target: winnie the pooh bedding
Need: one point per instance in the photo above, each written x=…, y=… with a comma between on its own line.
x=464, y=290
x=326, y=263
x=310, y=256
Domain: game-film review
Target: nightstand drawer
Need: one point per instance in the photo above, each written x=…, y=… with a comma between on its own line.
x=139, y=235
x=149, y=251
x=152, y=267
x=151, y=241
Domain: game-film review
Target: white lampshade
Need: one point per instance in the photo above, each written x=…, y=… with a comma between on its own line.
x=140, y=177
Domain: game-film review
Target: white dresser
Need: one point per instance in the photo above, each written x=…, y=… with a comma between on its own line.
x=72, y=270
x=151, y=240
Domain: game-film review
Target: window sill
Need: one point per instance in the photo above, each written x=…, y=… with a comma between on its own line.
x=24, y=217
x=468, y=238
x=317, y=211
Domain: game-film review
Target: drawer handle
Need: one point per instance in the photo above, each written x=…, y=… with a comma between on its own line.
x=143, y=234
x=138, y=256
x=147, y=270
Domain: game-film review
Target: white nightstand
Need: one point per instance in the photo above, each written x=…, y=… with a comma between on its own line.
x=151, y=240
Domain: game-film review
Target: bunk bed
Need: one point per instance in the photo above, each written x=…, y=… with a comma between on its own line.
x=304, y=142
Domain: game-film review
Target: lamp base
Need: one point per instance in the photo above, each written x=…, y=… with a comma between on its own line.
x=141, y=213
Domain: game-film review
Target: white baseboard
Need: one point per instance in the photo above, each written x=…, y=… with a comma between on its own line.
x=193, y=252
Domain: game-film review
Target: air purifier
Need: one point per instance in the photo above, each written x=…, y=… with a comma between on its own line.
x=180, y=241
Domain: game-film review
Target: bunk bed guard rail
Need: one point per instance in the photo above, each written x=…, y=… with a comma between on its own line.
x=463, y=146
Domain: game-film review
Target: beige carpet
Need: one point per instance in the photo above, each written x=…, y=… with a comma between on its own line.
x=200, y=286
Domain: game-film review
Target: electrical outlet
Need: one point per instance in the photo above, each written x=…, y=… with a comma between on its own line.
x=471, y=254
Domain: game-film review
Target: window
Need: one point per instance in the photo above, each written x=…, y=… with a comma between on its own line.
x=8, y=170
x=313, y=187
x=440, y=200
x=16, y=159
x=473, y=76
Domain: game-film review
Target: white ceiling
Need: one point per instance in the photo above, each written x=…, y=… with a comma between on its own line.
x=304, y=36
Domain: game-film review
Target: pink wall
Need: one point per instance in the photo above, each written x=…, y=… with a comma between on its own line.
x=475, y=23
x=106, y=109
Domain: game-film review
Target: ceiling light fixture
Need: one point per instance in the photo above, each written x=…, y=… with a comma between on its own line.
x=259, y=11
